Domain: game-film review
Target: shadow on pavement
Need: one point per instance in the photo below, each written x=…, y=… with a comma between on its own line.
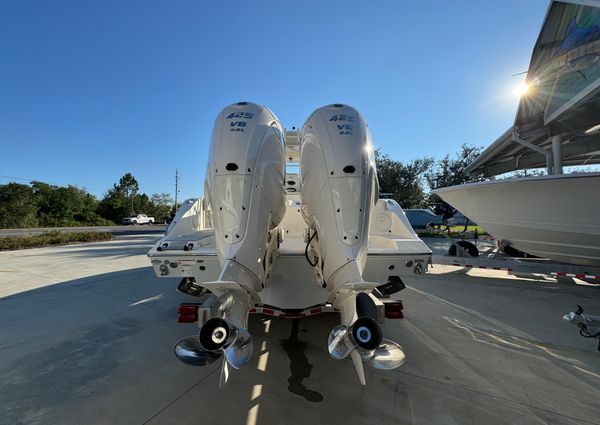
x=98, y=350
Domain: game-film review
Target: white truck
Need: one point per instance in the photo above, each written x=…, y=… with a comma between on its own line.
x=138, y=219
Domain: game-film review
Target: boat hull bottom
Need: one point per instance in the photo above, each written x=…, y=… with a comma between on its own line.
x=564, y=247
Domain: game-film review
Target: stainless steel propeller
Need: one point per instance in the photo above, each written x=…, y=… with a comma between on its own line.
x=216, y=337
x=363, y=338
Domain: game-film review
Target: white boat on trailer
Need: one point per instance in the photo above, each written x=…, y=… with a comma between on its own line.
x=557, y=124
x=290, y=244
x=555, y=217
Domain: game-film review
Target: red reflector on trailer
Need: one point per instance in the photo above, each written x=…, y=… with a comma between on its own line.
x=188, y=309
x=188, y=313
x=187, y=318
x=393, y=310
x=395, y=315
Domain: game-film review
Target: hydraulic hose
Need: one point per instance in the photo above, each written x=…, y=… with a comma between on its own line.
x=306, y=250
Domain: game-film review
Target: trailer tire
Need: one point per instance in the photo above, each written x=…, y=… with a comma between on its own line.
x=467, y=246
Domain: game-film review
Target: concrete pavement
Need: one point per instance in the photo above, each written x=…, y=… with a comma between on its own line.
x=86, y=336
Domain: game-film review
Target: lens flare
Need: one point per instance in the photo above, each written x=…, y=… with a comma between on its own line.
x=521, y=90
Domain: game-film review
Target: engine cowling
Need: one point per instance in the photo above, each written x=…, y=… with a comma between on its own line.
x=339, y=187
x=245, y=188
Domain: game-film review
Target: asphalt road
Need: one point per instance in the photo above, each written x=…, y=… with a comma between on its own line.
x=86, y=336
x=115, y=230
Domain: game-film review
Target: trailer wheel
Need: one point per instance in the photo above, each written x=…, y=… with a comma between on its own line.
x=467, y=246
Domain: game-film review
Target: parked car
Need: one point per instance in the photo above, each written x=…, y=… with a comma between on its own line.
x=138, y=219
x=419, y=218
x=458, y=219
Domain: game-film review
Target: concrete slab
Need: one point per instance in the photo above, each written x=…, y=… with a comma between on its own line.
x=27, y=269
x=88, y=339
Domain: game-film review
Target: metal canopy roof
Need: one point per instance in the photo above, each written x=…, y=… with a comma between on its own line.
x=563, y=97
x=504, y=155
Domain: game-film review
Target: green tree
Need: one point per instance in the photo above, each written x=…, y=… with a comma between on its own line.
x=161, y=204
x=529, y=172
x=450, y=172
x=405, y=181
x=142, y=204
x=88, y=212
x=114, y=206
x=65, y=206
x=129, y=186
x=118, y=202
x=18, y=206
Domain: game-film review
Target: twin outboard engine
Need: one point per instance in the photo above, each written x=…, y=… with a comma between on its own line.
x=245, y=193
x=339, y=189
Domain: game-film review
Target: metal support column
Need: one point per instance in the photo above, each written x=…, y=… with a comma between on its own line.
x=557, y=154
x=547, y=154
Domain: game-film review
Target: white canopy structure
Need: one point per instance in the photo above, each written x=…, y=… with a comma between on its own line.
x=558, y=119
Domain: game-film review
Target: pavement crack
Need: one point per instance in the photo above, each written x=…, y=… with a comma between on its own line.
x=181, y=395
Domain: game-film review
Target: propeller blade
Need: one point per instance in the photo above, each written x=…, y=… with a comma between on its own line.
x=338, y=344
x=224, y=374
x=238, y=354
x=389, y=355
x=189, y=351
x=360, y=371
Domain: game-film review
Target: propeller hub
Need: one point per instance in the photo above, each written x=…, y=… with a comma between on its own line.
x=366, y=333
x=214, y=334
x=363, y=334
x=219, y=335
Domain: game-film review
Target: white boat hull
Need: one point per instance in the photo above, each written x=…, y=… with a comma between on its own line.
x=556, y=217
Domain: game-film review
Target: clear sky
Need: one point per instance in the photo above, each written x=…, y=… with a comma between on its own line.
x=90, y=90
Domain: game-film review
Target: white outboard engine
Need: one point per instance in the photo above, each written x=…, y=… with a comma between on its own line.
x=245, y=189
x=245, y=192
x=339, y=190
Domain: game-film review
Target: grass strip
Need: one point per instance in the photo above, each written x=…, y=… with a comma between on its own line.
x=51, y=238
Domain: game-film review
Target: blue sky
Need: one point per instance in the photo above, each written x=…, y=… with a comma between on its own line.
x=90, y=90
